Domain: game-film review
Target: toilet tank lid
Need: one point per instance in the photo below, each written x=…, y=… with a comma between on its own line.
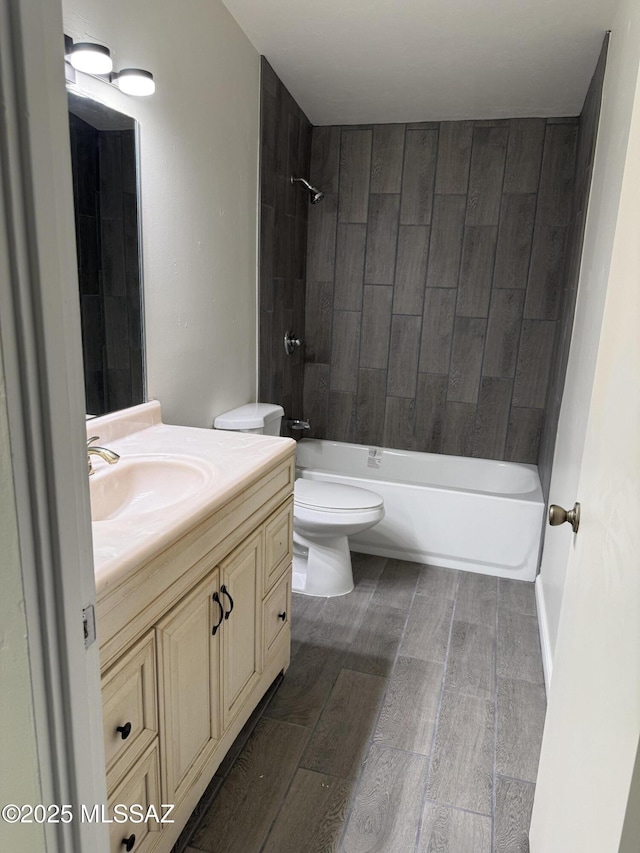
x=249, y=416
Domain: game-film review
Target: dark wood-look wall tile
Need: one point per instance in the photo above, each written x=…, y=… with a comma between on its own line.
x=454, y=157
x=411, y=269
x=403, y=355
x=447, y=234
x=534, y=360
x=110, y=174
x=294, y=196
x=555, y=195
x=113, y=258
x=319, y=320
x=458, y=435
x=515, y=237
x=371, y=401
x=523, y=435
x=466, y=359
x=345, y=350
x=316, y=398
x=524, y=155
x=437, y=330
x=486, y=175
x=322, y=240
x=400, y=423
x=349, y=274
x=376, y=327
x=382, y=237
x=386, y=158
x=267, y=251
x=325, y=159
x=355, y=165
x=420, y=153
x=268, y=121
x=546, y=278
x=492, y=418
x=503, y=333
x=476, y=271
x=341, y=424
x=431, y=406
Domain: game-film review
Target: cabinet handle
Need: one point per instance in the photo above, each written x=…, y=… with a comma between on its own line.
x=128, y=843
x=125, y=730
x=225, y=591
x=282, y=615
x=216, y=598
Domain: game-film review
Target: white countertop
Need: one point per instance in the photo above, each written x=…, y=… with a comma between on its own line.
x=232, y=459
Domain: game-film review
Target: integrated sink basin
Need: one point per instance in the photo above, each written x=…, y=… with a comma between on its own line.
x=144, y=484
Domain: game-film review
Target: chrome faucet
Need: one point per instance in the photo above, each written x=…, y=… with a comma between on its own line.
x=108, y=455
x=297, y=424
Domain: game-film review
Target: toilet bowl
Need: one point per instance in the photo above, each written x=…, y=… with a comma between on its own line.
x=324, y=514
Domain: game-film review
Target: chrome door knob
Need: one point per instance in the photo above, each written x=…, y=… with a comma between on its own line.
x=558, y=515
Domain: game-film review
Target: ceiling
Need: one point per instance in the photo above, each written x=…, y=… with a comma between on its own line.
x=375, y=61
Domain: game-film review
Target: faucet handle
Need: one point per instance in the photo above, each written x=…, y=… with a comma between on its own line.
x=92, y=439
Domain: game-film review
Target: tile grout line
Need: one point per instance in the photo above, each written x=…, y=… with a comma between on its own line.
x=436, y=723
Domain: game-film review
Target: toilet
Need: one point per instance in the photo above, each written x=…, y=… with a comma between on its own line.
x=324, y=514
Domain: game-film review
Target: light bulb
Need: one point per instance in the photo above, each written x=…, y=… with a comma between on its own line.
x=135, y=81
x=91, y=58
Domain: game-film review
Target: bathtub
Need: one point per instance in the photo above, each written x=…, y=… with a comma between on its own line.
x=478, y=515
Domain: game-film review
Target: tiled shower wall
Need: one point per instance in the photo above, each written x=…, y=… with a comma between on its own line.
x=285, y=150
x=587, y=133
x=434, y=280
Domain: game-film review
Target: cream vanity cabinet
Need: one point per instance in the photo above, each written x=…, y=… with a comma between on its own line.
x=181, y=677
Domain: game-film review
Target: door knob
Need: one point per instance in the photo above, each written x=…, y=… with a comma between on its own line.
x=558, y=515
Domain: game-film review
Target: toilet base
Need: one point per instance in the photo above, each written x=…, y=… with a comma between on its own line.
x=321, y=567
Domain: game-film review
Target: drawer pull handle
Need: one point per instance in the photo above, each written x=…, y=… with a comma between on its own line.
x=216, y=598
x=282, y=615
x=225, y=591
x=125, y=730
x=128, y=843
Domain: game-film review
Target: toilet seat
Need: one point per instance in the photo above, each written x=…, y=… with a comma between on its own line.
x=334, y=497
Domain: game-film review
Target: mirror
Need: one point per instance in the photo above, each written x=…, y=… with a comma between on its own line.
x=105, y=191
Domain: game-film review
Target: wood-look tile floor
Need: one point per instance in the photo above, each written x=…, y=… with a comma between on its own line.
x=409, y=721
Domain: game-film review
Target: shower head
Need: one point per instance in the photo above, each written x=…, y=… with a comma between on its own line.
x=316, y=194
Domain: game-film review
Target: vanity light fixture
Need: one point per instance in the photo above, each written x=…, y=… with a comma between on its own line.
x=134, y=81
x=95, y=59
x=90, y=58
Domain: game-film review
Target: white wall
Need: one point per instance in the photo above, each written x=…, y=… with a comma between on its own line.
x=613, y=138
x=199, y=136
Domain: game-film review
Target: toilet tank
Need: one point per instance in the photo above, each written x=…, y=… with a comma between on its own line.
x=259, y=418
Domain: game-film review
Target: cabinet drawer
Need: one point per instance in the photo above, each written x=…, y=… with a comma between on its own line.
x=278, y=543
x=129, y=703
x=276, y=614
x=141, y=787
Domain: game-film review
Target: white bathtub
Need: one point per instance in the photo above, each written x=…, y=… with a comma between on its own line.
x=478, y=515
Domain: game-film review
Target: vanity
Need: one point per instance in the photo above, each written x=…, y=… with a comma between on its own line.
x=192, y=545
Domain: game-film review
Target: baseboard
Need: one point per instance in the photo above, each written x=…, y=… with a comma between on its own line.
x=543, y=628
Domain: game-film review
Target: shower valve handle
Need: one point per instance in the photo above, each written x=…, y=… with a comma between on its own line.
x=291, y=342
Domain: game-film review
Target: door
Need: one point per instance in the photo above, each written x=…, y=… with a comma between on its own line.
x=241, y=631
x=592, y=729
x=188, y=664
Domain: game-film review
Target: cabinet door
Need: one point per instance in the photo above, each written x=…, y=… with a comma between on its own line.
x=189, y=673
x=241, y=632
x=140, y=788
